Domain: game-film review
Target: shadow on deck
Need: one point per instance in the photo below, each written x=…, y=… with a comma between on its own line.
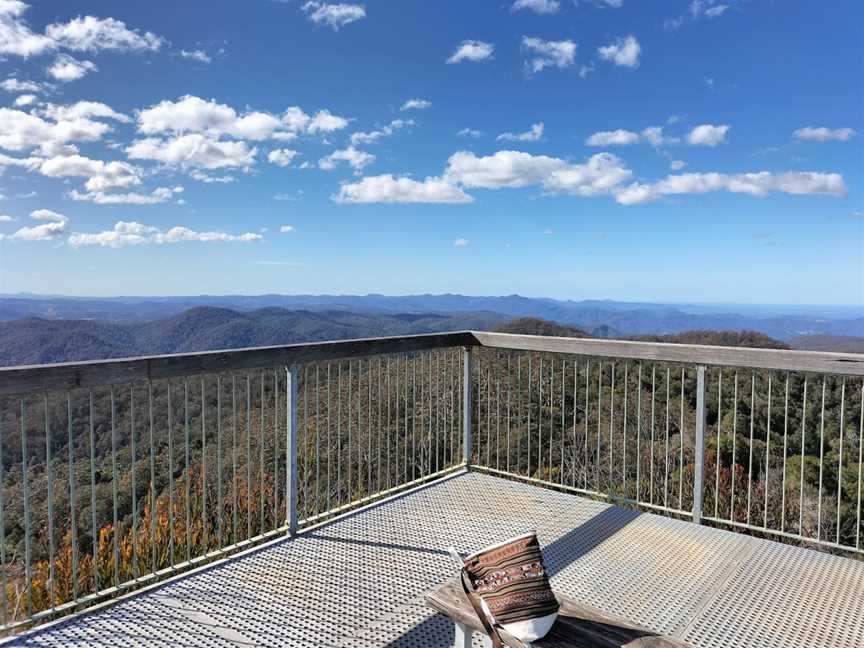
x=360, y=580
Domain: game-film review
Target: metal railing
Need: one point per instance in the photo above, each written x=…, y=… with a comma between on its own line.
x=119, y=473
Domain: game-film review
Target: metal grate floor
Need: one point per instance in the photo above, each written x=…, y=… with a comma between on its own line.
x=360, y=580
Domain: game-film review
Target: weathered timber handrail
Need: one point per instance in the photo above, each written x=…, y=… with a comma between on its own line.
x=74, y=375
x=848, y=364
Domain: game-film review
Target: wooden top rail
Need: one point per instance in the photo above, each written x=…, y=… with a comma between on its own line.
x=75, y=375
x=848, y=364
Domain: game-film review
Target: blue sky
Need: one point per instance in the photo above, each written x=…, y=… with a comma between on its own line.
x=706, y=151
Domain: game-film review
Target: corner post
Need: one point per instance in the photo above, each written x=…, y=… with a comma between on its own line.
x=699, y=451
x=467, y=382
x=291, y=491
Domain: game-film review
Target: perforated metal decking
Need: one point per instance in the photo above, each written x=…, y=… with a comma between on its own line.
x=360, y=580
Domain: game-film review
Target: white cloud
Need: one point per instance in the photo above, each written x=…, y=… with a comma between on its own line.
x=20, y=131
x=548, y=53
x=534, y=134
x=206, y=178
x=286, y=229
x=193, y=150
x=16, y=37
x=537, y=6
x=356, y=159
x=677, y=165
x=334, y=15
x=754, y=184
x=388, y=189
x=102, y=175
x=25, y=100
x=618, y=137
x=158, y=195
x=17, y=85
x=623, y=51
x=696, y=10
x=388, y=130
x=83, y=110
x=130, y=233
x=461, y=243
x=600, y=175
x=5, y=218
x=90, y=34
x=502, y=169
x=53, y=226
x=196, y=55
x=416, y=104
x=282, y=157
x=325, y=122
x=472, y=50
x=194, y=114
x=65, y=68
x=470, y=132
x=707, y=135
x=823, y=134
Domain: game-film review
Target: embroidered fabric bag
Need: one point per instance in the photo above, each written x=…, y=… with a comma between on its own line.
x=508, y=587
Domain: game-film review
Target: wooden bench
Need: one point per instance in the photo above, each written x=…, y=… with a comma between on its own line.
x=577, y=625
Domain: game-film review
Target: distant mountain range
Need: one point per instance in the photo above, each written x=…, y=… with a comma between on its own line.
x=34, y=340
x=598, y=317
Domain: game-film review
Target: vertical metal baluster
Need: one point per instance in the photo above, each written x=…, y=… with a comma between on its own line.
x=785, y=446
x=49, y=483
x=94, y=533
x=551, y=412
x=339, y=433
x=387, y=394
x=599, y=413
x=205, y=531
x=509, y=412
x=261, y=462
x=350, y=396
x=152, y=478
x=563, y=422
x=276, y=448
x=405, y=429
x=328, y=443
x=734, y=444
x=379, y=413
x=653, y=401
x=170, y=475
x=529, y=406
x=681, y=443
x=540, y=420
x=519, y=412
x=840, y=462
x=488, y=415
x=639, y=434
x=3, y=576
x=291, y=446
x=719, y=425
x=249, y=456
x=585, y=425
x=414, y=418
x=219, y=510
x=25, y=500
x=188, y=472
x=750, y=460
x=767, y=457
x=305, y=440
x=860, y=468
x=611, y=421
x=73, y=523
x=369, y=425
x=437, y=394
x=821, y=461
x=113, y=493
x=134, y=469
x=234, y=458
x=624, y=435
x=498, y=410
x=575, y=409
x=666, y=462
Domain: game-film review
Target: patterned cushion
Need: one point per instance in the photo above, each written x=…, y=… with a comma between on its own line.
x=511, y=580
